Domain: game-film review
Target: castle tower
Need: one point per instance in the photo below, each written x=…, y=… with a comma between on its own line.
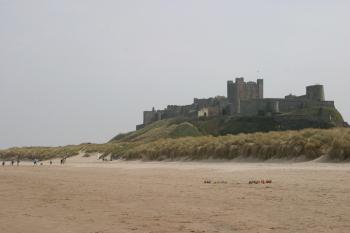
x=315, y=92
x=240, y=93
x=260, y=83
x=273, y=106
x=230, y=91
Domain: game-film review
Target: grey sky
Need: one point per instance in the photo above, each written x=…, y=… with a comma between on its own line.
x=79, y=71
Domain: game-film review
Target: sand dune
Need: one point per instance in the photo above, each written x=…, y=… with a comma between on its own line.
x=87, y=195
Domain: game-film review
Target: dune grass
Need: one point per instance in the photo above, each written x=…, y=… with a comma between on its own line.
x=331, y=144
x=40, y=152
x=309, y=144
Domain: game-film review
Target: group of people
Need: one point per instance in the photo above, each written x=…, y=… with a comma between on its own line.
x=35, y=162
x=12, y=162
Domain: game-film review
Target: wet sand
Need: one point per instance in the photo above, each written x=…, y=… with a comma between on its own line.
x=90, y=196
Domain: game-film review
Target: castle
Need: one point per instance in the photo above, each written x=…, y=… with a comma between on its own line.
x=243, y=99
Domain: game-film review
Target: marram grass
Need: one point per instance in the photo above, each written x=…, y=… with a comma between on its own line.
x=330, y=144
x=309, y=144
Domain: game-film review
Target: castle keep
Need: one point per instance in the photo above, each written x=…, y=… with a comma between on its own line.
x=243, y=99
x=242, y=91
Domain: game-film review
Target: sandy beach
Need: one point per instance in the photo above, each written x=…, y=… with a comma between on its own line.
x=89, y=196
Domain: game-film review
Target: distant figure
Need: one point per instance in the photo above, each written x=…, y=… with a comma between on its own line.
x=34, y=161
x=12, y=162
x=18, y=162
x=3, y=163
x=50, y=162
x=63, y=161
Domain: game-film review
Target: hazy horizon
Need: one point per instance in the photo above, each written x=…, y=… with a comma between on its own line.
x=83, y=71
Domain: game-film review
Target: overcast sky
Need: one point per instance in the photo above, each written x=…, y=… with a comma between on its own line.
x=75, y=71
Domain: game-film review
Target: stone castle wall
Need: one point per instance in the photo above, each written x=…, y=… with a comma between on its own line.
x=246, y=98
x=275, y=105
x=151, y=116
x=243, y=98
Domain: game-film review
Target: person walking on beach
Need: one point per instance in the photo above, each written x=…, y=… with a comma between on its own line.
x=63, y=161
x=18, y=160
x=12, y=162
x=3, y=163
x=50, y=162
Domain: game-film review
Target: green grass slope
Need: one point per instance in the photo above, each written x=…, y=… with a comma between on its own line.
x=170, y=128
x=217, y=126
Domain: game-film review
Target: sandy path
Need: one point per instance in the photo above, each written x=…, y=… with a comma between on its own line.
x=171, y=197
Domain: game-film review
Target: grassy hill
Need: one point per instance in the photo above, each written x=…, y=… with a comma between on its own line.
x=171, y=128
x=224, y=125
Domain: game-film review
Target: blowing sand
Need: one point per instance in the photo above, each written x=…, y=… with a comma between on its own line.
x=90, y=196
